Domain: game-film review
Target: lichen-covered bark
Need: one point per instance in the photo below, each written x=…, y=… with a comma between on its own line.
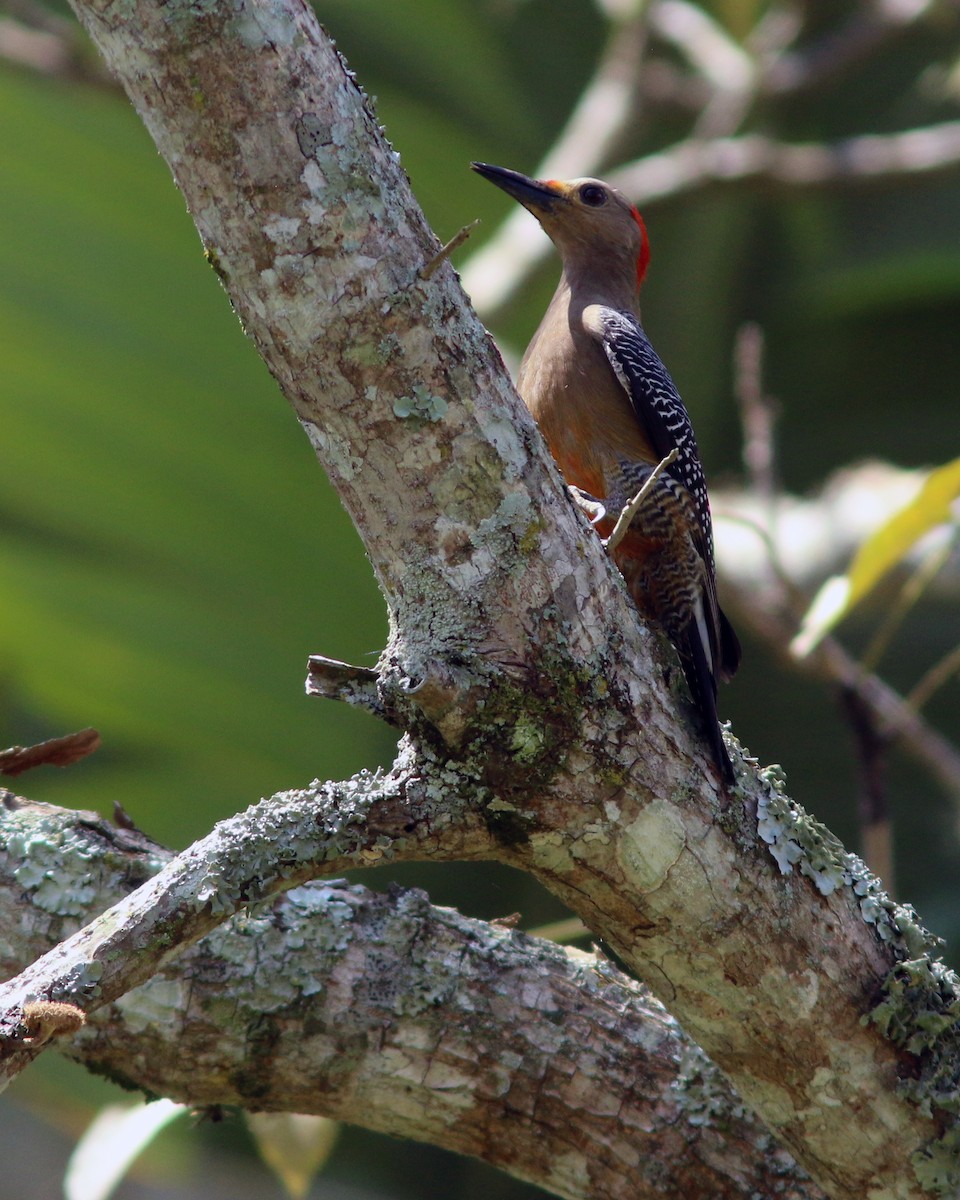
x=526, y=681
x=271, y=846
x=415, y=1021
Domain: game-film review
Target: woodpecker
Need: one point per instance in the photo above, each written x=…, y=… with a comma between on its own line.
x=610, y=412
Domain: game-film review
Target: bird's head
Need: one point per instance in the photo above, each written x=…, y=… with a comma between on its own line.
x=587, y=220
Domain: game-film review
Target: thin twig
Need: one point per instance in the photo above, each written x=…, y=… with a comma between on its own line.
x=934, y=679
x=877, y=714
x=758, y=415
x=824, y=59
x=694, y=163
x=909, y=594
x=336, y=680
x=759, y=454
x=731, y=74
x=775, y=623
x=494, y=274
x=704, y=43
x=818, y=534
x=35, y=38
x=448, y=248
x=55, y=752
x=566, y=929
x=631, y=509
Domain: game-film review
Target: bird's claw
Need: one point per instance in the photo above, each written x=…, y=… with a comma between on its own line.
x=592, y=508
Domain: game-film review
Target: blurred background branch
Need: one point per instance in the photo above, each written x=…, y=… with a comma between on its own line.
x=725, y=82
x=38, y=38
x=795, y=548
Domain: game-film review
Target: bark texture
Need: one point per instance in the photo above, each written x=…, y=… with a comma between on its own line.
x=411, y=1020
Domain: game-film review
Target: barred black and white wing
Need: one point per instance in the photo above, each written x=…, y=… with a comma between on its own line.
x=658, y=406
x=709, y=649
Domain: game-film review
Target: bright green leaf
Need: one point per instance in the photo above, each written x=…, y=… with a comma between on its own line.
x=885, y=547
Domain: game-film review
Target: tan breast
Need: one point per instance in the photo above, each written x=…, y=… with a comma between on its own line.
x=583, y=412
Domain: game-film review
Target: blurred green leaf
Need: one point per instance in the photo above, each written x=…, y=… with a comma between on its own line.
x=170, y=552
x=878, y=555
x=294, y=1146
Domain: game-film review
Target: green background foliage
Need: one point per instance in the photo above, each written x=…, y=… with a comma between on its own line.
x=170, y=552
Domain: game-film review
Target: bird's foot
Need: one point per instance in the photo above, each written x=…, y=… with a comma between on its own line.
x=592, y=508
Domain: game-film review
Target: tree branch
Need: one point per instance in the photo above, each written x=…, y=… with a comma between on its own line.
x=289, y=839
x=407, y=1019
x=529, y=687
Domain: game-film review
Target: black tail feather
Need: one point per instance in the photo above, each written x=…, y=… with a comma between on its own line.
x=703, y=690
x=729, y=648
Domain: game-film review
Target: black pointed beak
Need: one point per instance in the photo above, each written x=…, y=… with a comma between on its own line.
x=532, y=193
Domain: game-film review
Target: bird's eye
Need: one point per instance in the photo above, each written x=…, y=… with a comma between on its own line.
x=593, y=195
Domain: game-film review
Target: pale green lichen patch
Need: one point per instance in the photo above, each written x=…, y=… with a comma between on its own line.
x=920, y=1013
x=936, y=1166
x=797, y=839
x=650, y=845
x=474, y=491
x=312, y=134
x=80, y=979
x=921, y=1003
x=506, y=440
x=282, y=229
x=527, y=740
x=269, y=25
x=570, y=1174
x=428, y=979
x=920, y=1009
x=41, y=851
x=524, y=731
x=596, y=831
x=421, y=405
x=552, y=852
x=896, y=924
x=340, y=183
x=182, y=13
x=333, y=451
x=286, y=959
x=156, y=1003
x=515, y=522
x=365, y=354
